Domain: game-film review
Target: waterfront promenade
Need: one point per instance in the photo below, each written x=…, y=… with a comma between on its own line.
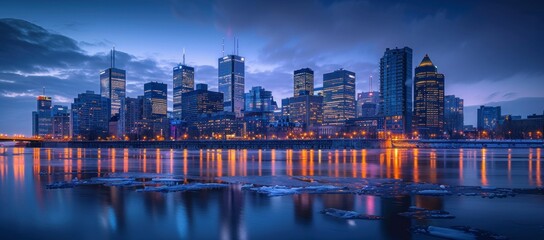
x=295, y=144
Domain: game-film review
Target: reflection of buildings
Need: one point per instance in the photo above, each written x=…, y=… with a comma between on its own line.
x=230, y=216
x=392, y=223
x=303, y=205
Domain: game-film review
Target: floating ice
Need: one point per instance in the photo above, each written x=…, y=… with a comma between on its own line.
x=344, y=214
x=422, y=213
x=273, y=191
x=183, y=187
x=458, y=232
x=434, y=192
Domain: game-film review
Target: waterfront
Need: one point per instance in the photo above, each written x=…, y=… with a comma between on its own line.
x=30, y=211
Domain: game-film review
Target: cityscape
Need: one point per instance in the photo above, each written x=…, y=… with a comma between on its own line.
x=253, y=119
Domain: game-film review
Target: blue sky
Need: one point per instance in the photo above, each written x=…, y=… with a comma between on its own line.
x=489, y=51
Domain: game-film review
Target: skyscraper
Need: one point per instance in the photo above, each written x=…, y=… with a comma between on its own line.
x=304, y=109
x=371, y=97
x=60, y=118
x=231, y=74
x=338, y=97
x=133, y=116
x=41, y=118
x=453, y=114
x=113, y=85
x=155, y=100
x=396, y=90
x=259, y=100
x=488, y=118
x=200, y=101
x=90, y=116
x=428, y=99
x=304, y=82
x=184, y=81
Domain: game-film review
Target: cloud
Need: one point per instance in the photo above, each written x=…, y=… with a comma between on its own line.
x=10, y=94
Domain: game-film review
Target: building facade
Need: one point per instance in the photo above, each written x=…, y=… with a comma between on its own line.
x=488, y=118
x=60, y=117
x=231, y=83
x=183, y=81
x=367, y=97
x=41, y=118
x=396, y=90
x=200, y=101
x=155, y=100
x=428, y=100
x=89, y=116
x=303, y=82
x=306, y=110
x=338, y=97
x=453, y=115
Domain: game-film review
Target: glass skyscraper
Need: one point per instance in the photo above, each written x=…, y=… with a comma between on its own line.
x=113, y=86
x=428, y=99
x=304, y=82
x=201, y=101
x=231, y=73
x=259, y=100
x=90, y=116
x=453, y=115
x=396, y=90
x=155, y=100
x=41, y=119
x=488, y=118
x=184, y=81
x=338, y=97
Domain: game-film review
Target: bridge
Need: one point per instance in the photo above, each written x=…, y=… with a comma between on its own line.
x=19, y=138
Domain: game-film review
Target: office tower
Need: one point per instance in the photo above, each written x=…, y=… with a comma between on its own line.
x=338, y=97
x=304, y=82
x=488, y=118
x=60, y=117
x=184, y=81
x=133, y=116
x=41, y=118
x=304, y=109
x=259, y=100
x=200, y=101
x=428, y=100
x=113, y=87
x=231, y=72
x=155, y=100
x=396, y=90
x=90, y=116
x=453, y=115
x=367, y=97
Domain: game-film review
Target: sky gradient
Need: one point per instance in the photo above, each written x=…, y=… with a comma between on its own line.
x=489, y=51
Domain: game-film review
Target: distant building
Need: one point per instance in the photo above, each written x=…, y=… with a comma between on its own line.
x=428, y=100
x=133, y=117
x=41, y=118
x=60, y=116
x=113, y=87
x=90, y=116
x=219, y=125
x=200, y=101
x=259, y=100
x=155, y=100
x=338, y=97
x=231, y=72
x=453, y=115
x=307, y=110
x=367, y=97
x=303, y=82
x=184, y=81
x=488, y=118
x=396, y=90
x=368, y=109
x=516, y=128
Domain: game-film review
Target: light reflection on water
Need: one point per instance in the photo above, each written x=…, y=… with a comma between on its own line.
x=112, y=212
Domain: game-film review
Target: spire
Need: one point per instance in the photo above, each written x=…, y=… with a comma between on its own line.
x=112, y=57
x=223, y=51
x=237, y=46
x=43, y=91
x=370, y=83
x=234, y=49
x=426, y=61
x=183, y=56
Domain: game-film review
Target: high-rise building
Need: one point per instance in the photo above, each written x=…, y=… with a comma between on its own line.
x=367, y=97
x=488, y=118
x=133, y=116
x=306, y=110
x=338, y=97
x=41, y=118
x=155, y=100
x=200, y=101
x=259, y=100
x=113, y=84
x=90, y=116
x=231, y=74
x=184, y=81
x=428, y=100
x=453, y=115
x=396, y=90
x=304, y=82
x=60, y=117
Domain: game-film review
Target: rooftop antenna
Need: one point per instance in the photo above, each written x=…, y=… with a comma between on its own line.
x=234, y=43
x=113, y=57
x=237, y=46
x=43, y=90
x=370, y=83
x=183, y=56
x=223, y=47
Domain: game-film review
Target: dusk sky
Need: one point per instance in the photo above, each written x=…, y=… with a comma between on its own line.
x=489, y=51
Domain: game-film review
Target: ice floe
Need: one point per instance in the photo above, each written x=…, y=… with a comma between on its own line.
x=457, y=232
x=274, y=191
x=344, y=214
x=182, y=187
x=422, y=213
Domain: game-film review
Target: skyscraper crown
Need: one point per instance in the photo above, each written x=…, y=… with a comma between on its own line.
x=426, y=61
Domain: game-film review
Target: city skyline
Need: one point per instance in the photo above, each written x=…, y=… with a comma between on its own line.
x=60, y=53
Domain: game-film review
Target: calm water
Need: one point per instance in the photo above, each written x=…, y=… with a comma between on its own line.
x=30, y=211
